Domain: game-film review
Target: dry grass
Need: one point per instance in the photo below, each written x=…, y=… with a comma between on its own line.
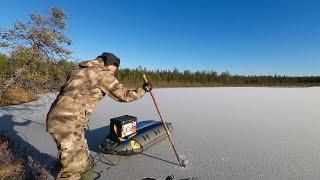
x=13, y=170
x=12, y=167
x=17, y=95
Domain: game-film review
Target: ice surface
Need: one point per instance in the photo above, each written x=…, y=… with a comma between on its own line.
x=221, y=133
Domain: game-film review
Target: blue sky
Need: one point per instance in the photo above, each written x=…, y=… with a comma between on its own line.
x=244, y=37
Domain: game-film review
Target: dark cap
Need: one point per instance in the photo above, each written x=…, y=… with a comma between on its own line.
x=110, y=59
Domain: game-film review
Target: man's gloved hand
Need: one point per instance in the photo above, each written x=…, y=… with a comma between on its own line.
x=147, y=86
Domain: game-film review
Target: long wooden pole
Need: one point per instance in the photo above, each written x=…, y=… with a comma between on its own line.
x=164, y=124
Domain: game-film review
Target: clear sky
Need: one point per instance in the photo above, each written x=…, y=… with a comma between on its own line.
x=244, y=37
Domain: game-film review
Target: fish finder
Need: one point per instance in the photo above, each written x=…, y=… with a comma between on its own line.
x=123, y=127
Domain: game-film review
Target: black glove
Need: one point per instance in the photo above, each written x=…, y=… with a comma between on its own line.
x=147, y=86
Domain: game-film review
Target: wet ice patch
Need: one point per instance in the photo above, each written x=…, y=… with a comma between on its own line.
x=184, y=162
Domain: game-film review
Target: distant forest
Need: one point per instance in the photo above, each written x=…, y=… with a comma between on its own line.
x=50, y=75
x=176, y=78
x=34, y=59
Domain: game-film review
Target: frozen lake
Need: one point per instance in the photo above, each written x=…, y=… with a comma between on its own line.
x=223, y=133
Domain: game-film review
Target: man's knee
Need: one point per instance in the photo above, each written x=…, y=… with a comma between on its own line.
x=74, y=154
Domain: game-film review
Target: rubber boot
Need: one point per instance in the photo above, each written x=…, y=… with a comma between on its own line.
x=87, y=174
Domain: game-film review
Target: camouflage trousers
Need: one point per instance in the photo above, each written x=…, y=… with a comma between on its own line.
x=73, y=154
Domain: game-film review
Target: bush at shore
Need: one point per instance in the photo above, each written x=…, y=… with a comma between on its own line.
x=17, y=95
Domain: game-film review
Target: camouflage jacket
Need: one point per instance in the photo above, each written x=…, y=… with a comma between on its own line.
x=83, y=89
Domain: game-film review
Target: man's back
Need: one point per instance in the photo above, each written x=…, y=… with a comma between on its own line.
x=78, y=96
x=83, y=89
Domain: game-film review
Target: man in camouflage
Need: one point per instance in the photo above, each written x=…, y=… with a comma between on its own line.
x=70, y=112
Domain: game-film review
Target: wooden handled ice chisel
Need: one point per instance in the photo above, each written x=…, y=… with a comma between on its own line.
x=165, y=125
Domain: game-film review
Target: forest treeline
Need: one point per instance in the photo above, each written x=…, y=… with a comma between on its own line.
x=35, y=60
x=50, y=75
x=187, y=78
